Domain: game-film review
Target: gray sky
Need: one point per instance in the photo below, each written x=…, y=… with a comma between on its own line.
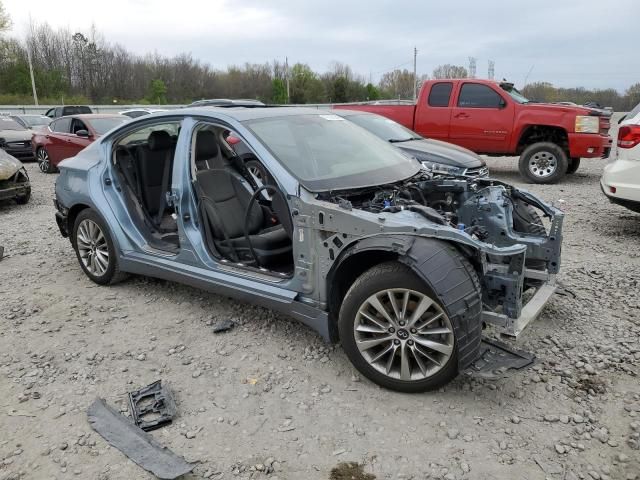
x=589, y=43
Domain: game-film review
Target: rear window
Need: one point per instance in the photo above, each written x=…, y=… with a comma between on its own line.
x=10, y=124
x=633, y=112
x=103, y=125
x=75, y=110
x=475, y=95
x=440, y=94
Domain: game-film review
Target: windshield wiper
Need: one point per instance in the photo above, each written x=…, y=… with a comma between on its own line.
x=400, y=140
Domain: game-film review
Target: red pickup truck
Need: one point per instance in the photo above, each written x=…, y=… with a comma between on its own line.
x=493, y=118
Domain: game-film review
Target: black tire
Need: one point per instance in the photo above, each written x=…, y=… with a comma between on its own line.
x=24, y=199
x=454, y=273
x=44, y=161
x=112, y=273
x=539, y=154
x=574, y=164
x=261, y=174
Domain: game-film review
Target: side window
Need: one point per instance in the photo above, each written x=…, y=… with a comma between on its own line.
x=59, y=111
x=475, y=95
x=440, y=94
x=77, y=125
x=140, y=136
x=61, y=126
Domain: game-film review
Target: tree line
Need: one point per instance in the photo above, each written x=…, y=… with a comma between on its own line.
x=83, y=67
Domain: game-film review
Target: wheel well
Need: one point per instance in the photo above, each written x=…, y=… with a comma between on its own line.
x=340, y=280
x=72, y=215
x=543, y=133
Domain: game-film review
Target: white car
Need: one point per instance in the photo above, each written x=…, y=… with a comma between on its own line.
x=621, y=178
x=139, y=112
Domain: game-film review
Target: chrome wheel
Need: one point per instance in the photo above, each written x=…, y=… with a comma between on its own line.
x=92, y=247
x=403, y=334
x=43, y=160
x=543, y=164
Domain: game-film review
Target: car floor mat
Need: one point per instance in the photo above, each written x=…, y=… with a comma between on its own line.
x=135, y=443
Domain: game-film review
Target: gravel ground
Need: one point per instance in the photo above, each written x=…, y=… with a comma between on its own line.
x=269, y=399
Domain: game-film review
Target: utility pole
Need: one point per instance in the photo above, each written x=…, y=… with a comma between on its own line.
x=492, y=69
x=415, y=74
x=286, y=74
x=33, y=81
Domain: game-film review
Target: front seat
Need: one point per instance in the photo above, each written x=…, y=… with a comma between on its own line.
x=208, y=153
x=225, y=198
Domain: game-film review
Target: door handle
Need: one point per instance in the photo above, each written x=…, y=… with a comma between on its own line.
x=461, y=115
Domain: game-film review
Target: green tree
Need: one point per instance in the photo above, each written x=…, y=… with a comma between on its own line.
x=157, y=92
x=632, y=96
x=450, y=71
x=278, y=91
x=372, y=92
x=5, y=20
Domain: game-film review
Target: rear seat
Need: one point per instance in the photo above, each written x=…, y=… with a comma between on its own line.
x=151, y=160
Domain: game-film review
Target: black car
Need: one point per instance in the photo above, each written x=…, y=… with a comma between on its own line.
x=15, y=139
x=438, y=156
x=65, y=110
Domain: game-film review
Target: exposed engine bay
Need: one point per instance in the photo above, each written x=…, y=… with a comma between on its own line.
x=462, y=203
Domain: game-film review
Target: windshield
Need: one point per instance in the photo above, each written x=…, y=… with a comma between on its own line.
x=325, y=152
x=103, y=125
x=515, y=94
x=383, y=128
x=38, y=120
x=8, y=124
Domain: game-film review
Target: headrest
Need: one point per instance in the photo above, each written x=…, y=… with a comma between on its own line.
x=206, y=145
x=159, y=140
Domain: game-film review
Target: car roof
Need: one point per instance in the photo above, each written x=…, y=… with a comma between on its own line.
x=241, y=113
x=91, y=116
x=348, y=113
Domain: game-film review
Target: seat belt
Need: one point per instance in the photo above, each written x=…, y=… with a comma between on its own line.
x=165, y=189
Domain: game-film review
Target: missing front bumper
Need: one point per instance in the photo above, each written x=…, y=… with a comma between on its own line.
x=514, y=325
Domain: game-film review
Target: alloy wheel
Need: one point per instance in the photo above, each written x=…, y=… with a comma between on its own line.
x=404, y=334
x=43, y=160
x=543, y=164
x=92, y=247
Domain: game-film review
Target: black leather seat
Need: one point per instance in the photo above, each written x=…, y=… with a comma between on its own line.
x=153, y=160
x=208, y=153
x=225, y=198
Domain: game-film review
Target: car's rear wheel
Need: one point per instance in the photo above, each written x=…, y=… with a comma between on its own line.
x=95, y=249
x=44, y=162
x=543, y=162
x=399, y=333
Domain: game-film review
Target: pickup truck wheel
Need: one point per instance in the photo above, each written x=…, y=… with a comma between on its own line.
x=95, y=249
x=543, y=162
x=398, y=333
x=574, y=164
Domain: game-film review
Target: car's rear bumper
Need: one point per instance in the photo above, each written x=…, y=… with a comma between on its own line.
x=620, y=181
x=589, y=145
x=62, y=216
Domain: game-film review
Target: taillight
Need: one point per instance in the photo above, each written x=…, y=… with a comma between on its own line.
x=629, y=136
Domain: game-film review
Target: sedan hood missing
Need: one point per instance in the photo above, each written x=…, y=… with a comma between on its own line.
x=8, y=165
x=441, y=152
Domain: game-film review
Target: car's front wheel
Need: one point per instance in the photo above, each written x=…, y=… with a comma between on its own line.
x=44, y=162
x=398, y=332
x=95, y=249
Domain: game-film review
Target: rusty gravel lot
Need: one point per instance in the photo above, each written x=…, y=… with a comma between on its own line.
x=270, y=400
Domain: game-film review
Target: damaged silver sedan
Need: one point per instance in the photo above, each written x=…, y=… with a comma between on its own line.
x=14, y=180
x=342, y=232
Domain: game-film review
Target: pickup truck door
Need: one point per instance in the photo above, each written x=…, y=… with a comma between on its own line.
x=481, y=119
x=433, y=112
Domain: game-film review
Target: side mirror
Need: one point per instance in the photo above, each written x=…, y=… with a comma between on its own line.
x=83, y=133
x=502, y=103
